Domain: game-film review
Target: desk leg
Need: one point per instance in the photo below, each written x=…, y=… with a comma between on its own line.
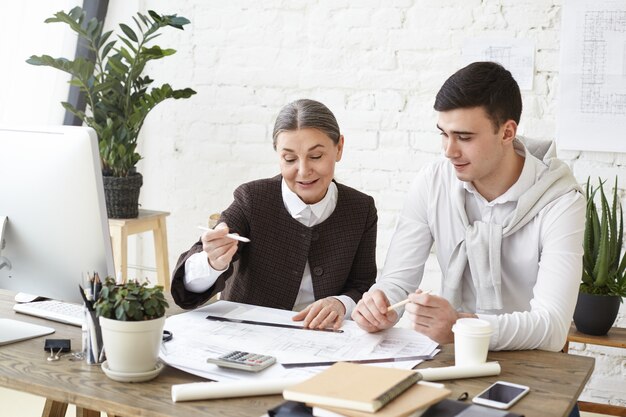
x=119, y=242
x=84, y=412
x=160, y=249
x=54, y=409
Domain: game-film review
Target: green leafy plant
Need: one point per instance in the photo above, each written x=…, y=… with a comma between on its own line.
x=117, y=94
x=131, y=301
x=603, y=267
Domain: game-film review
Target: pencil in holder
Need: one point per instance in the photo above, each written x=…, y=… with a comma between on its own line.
x=93, y=348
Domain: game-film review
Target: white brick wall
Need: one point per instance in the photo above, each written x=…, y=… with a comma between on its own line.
x=376, y=64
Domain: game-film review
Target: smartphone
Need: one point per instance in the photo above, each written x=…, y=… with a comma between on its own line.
x=501, y=395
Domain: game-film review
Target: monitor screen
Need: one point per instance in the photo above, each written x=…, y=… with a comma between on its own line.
x=56, y=227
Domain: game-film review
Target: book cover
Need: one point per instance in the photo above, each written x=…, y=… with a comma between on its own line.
x=353, y=386
x=417, y=397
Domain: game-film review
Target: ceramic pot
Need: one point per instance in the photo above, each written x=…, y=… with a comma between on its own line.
x=595, y=314
x=132, y=347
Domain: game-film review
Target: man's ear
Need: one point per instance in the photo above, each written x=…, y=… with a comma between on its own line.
x=509, y=131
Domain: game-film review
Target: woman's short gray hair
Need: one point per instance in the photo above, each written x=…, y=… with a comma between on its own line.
x=303, y=114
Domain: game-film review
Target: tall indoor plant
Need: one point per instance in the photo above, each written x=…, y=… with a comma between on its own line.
x=132, y=316
x=119, y=95
x=604, y=267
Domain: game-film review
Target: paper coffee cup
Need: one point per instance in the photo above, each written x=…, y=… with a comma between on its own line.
x=471, y=341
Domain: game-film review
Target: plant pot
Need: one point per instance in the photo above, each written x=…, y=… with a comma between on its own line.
x=595, y=314
x=132, y=347
x=122, y=195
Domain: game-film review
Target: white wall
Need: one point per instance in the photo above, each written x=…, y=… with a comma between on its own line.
x=377, y=64
x=32, y=95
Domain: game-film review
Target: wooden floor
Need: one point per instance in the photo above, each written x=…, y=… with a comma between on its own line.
x=19, y=404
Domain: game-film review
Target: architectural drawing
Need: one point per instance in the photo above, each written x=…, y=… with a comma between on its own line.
x=592, y=95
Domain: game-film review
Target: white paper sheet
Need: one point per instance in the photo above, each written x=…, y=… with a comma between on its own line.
x=196, y=338
x=592, y=93
x=515, y=54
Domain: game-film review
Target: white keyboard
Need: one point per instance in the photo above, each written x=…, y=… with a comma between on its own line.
x=53, y=310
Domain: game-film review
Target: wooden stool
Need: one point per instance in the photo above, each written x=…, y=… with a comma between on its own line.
x=147, y=220
x=615, y=338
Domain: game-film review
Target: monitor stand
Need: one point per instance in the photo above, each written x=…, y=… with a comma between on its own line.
x=14, y=331
x=4, y=262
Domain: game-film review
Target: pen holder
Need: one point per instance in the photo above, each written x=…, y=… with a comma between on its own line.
x=93, y=348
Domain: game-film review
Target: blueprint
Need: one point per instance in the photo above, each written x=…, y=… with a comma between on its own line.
x=592, y=95
x=515, y=54
x=197, y=338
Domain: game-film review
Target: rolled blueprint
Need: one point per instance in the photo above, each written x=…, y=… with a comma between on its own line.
x=228, y=389
x=458, y=372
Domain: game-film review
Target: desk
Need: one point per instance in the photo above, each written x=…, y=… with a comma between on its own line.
x=556, y=380
x=615, y=338
x=147, y=220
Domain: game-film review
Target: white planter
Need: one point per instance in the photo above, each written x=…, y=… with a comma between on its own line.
x=132, y=347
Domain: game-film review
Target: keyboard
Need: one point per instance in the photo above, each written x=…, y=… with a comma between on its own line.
x=53, y=310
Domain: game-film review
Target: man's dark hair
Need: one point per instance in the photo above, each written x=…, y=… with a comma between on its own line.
x=482, y=84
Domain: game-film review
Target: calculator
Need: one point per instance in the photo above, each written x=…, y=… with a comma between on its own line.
x=245, y=361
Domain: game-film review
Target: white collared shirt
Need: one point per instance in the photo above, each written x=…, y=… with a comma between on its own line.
x=541, y=262
x=200, y=276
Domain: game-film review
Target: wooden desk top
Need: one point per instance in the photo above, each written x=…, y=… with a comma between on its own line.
x=555, y=379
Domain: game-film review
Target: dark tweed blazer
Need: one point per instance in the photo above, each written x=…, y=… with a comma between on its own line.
x=268, y=271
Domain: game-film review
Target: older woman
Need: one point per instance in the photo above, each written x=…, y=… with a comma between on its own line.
x=313, y=240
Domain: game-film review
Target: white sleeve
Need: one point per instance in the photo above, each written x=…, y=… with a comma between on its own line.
x=410, y=244
x=199, y=274
x=547, y=323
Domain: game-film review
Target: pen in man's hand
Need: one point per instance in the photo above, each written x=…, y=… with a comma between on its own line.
x=228, y=235
x=403, y=302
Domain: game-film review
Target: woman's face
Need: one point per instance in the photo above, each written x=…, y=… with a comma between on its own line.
x=307, y=162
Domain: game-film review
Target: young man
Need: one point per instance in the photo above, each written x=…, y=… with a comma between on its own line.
x=506, y=218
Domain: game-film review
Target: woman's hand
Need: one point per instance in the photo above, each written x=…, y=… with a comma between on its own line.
x=218, y=247
x=324, y=313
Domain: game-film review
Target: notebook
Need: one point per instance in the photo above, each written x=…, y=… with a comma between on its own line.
x=15, y=331
x=417, y=397
x=353, y=386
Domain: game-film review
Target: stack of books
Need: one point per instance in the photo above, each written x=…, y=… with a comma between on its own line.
x=353, y=390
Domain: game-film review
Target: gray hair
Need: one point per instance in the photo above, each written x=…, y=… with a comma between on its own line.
x=303, y=114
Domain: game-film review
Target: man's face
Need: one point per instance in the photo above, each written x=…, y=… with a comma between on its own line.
x=473, y=145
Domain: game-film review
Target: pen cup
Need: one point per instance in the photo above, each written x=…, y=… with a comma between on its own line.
x=92, y=339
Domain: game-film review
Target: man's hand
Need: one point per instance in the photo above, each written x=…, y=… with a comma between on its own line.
x=322, y=314
x=218, y=247
x=371, y=312
x=433, y=316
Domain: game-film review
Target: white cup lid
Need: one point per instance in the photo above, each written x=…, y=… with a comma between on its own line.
x=472, y=326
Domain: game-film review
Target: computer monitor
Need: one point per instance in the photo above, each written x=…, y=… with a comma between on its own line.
x=52, y=197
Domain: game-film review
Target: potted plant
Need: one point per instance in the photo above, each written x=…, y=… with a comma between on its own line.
x=118, y=95
x=603, y=279
x=132, y=316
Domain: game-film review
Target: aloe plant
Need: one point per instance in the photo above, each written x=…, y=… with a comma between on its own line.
x=117, y=91
x=131, y=301
x=603, y=265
